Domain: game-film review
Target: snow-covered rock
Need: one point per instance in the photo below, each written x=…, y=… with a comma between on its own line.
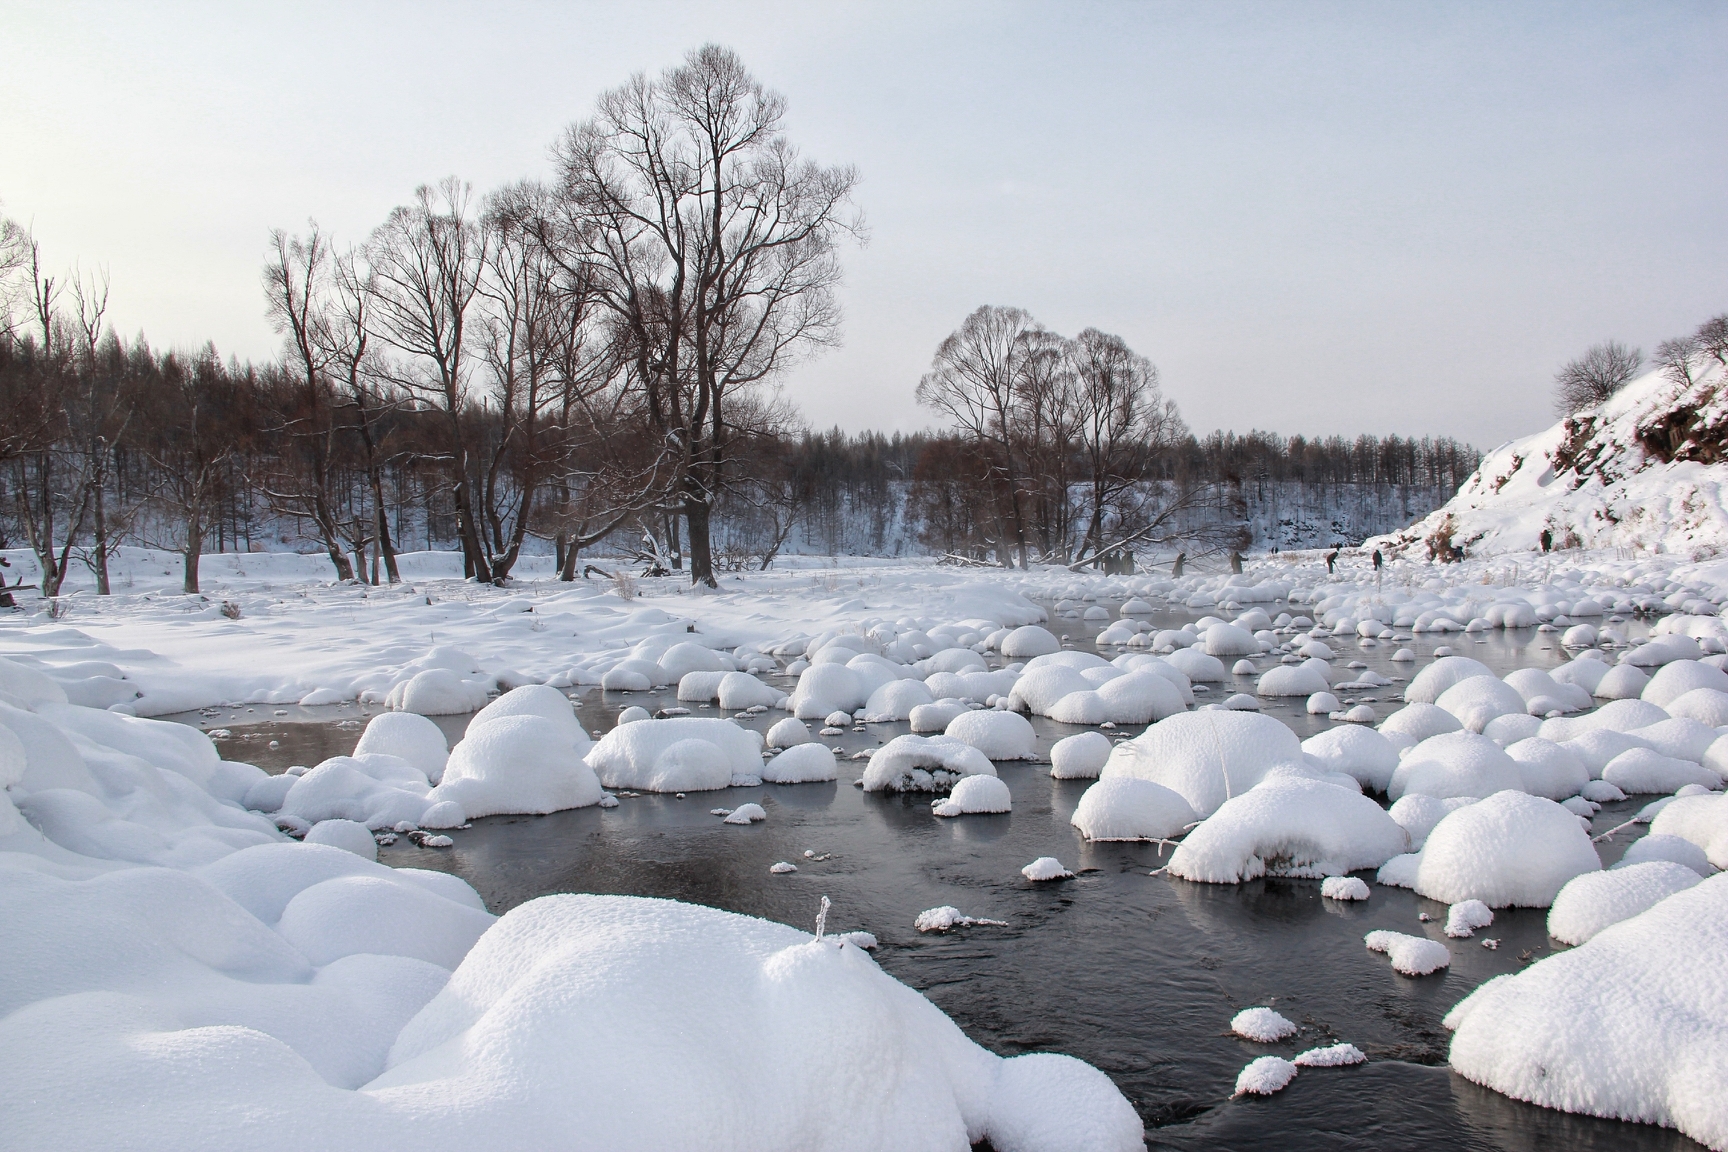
x=1508, y=849
x=1128, y=808
x=1288, y=827
x=1207, y=757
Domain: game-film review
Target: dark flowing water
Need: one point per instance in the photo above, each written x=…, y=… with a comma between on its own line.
x=1134, y=973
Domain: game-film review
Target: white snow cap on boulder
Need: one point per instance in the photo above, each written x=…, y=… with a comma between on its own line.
x=1433, y=680
x=1288, y=826
x=1128, y=808
x=1028, y=641
x=408, y=736
x=1079, y=757
x=520, y=763
x=678, y=754
x=437, y=692
x=1355, y=751
x=807, y=763
x=1596, y=900
x=975, y=794
x=1627, y=1026
x=998, y=734
x=923, y=764
x=1510, y=849
x=1206, y=757
x=1455, y=764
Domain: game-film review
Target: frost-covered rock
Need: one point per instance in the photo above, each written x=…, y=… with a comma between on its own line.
x=1646, y=771
x=1435, y=679
x=1464, y=917
x=1046, y=868
x=1417, y=814
x=1420, y=721
x=437, y=692
x=825, y=688
x=1661, y=846
x=1345, y=888
x=1549, y=770
x=1288, y=827
x=788, y=733
x=1028, y=641
x=1627, y=1026
x=1331, y=1056
x=1702, y=820
x=935, y=717
x=1128, y=808
x=895, y=700
x=1292, y=680
x=348, y=835
x=1455, y=764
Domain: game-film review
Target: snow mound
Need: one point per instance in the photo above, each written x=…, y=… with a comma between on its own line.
x=678, y=754
x=974, y=795
x=1265, y=1076
x=1292, y=680
x=1046, y=868
x=1508, y=849
x=1596, y=900
x=1646, y=771
x=808, y=763
x=1332, y=1056
x=1549, y=770
x=946, y=917
x=1261, y=1025
x=1028, y=641
x=407, y=736
x=1128, y=808
x=1435, y=679
x=1702, y=820
x=1657, y=846
x=1464, y=917
x=520, y=763
x=1079, y=757
x=1207, y=757
x=1455, y=764
x=1629, y=1025
x=789, y=733
x=1288, y=826
x=348, y=835
x=1343, y=888
x=1359, y=752
x=437, y=692
x=997, y=734
x=1410, y=955
x=1418, y=814
x=923, y=764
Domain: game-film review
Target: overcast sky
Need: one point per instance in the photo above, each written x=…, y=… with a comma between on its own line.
x=1315, y=218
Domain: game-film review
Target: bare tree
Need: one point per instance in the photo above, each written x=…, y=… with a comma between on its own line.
x=1124, y=423
x=975, y=379
x=1603, y=370
x=718, y=246
x=427, y=262
x=297, y=284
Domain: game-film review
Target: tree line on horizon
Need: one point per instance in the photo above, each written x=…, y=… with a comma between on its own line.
x=595, y=357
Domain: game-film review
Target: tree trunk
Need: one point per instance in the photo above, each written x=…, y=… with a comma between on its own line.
x=701, y=557
x=194, y=549
x=386, y=550
x=101, y=528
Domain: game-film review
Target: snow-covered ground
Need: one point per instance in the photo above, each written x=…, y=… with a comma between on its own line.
x=1643, y=471
x=187, y=970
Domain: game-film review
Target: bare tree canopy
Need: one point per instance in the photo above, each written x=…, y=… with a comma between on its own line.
x=1603, y=370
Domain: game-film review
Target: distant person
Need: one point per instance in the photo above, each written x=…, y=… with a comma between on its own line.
x=1128, y=565
x=1547, y=539
x=1378, y=562
x=1236, y=563
x=1176, y=568
x=1332, y=562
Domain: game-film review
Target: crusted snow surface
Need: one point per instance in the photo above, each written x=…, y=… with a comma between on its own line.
x=1629, y=1025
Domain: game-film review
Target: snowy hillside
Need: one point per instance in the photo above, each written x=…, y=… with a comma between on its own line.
x=1643, y=470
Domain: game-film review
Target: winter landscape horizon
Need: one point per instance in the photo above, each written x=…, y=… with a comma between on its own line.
x=815, y=598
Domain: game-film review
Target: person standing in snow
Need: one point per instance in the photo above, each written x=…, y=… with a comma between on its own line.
x=1176, y=568
x=1332, y=560
x=1236, y=563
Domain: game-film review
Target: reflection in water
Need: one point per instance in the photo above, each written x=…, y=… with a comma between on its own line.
x=1137, y=974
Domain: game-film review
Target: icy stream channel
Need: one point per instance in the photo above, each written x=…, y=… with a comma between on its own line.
x=1135, y=973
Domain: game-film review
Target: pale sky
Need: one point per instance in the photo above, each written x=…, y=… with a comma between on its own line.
x=1315, y=218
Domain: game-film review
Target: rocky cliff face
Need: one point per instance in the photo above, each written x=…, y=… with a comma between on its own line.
x=1646, y=469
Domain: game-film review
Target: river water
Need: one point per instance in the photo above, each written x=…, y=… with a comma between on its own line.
x=1138, y=974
